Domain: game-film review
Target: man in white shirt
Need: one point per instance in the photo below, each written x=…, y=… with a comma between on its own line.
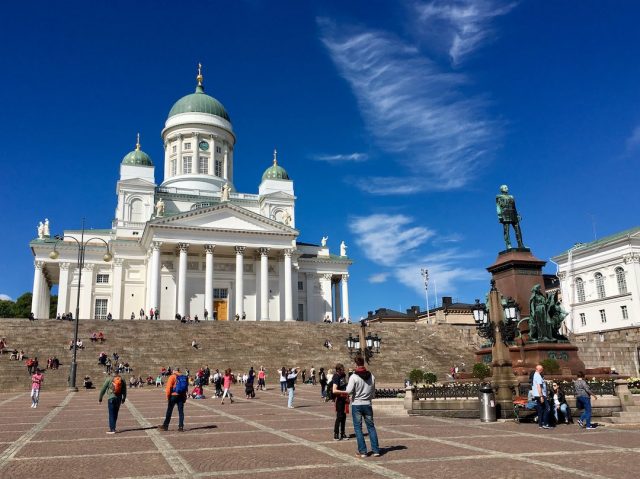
x=539, y=389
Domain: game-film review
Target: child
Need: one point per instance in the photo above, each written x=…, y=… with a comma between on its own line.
x=36, y=381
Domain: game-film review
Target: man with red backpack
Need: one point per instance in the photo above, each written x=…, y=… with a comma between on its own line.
x=177, y=390
x=116, y=388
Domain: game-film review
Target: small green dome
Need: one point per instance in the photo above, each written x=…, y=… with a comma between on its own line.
x=137, y=157
x=275, y=172
x=199, y=102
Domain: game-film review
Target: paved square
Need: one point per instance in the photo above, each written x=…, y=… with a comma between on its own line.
x=65, y=437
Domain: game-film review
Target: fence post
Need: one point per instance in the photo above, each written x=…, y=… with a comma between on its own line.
x=621, y=389
x=408, y=398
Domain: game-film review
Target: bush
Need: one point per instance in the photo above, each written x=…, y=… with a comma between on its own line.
x=416, y=376
x=550, y=366
x=430, y=377
x=481, y=371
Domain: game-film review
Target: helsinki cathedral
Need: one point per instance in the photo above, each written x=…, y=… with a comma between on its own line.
x=193, y=243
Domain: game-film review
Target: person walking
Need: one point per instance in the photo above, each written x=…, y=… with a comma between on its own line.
x=292, y=375
x=539, y=388
x=262, y=386
x=248, y=384
x=323, y=383
x=338, y=386
x=283, y=381
x=583, y=401
x=116, y=390
x=227, y=380
x=36, y=382
x=177, y=389
x=362, y=387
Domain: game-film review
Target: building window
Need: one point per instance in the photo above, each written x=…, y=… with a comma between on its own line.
x=583, y=319
x=600, y=286
x=625, y=313
x=174, y=149
x=100, y=310
x=220, y=293
x=102, y=279
x=218, y=168
x=603, y=316
x=192, y=265
x=203, y=165
x=173, y=167
x=186, y=164
x=300, y=286
x=580, y=290
x=300, y=312
x=622, y=281
x=187, y=146
x=218, y=149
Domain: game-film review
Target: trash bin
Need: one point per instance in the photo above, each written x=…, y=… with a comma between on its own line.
x=487, y=404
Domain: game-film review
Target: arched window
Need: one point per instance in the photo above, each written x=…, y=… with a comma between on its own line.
x=137, y=209
x=600, y=286
x=580, y=290
x=621, y=280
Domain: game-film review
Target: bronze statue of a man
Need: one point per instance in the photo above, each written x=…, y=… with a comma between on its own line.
x=508, y=215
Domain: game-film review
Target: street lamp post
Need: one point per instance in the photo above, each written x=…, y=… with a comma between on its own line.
x=81, y=245
x=425, y=275
x=365, y=345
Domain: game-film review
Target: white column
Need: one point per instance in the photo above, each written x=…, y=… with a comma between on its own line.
x=63, y=289
x=345, y=296
x=116, y=289
x=336, y=287
x=327, y=308
x=264, y=284
x=230, y=161
x=86, y=292
x=154, y=281
x=179, y=155
x=182, y=279
x=256, y=269
x=294, y=290
x=147, y=299
x=196, y=153
x=288, y=306
x=38, y=284
x=208, y=279
x=225, y=162
x=239, y=280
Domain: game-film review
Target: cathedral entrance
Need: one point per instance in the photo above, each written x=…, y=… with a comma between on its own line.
x=220, y=310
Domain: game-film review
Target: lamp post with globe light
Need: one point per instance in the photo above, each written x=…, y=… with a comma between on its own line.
x=81, y=245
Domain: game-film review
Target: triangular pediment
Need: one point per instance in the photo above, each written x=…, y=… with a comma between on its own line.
x=281, y=195
x=227, y=217
x=136, y=182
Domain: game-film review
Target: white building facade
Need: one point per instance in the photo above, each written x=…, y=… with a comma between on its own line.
x=193, y=243
x=600, y=283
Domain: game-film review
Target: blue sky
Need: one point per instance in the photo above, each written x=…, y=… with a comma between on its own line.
x=398, y=122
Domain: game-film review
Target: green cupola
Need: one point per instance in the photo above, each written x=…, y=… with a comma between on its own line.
x=275, y=172
x=199, y=102
x=137, y=157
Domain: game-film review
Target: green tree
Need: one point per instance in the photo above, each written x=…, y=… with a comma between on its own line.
x=416, y=376
x=551, y=366
x=481, y=371
x=53, y=307
x=430, y=377
x=23, y=306
x=7, y=308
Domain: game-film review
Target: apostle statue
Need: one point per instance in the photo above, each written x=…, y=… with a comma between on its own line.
x=508, y=215
x=286, y=218
x=323, y=242
x=539, y=327
x=225, y=192
x=343, y=249
x=160, y=207
x=46, y=231
x=40, y=230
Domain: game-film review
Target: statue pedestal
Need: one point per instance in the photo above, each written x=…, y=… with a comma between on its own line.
x=524, y=358
x=516, y=271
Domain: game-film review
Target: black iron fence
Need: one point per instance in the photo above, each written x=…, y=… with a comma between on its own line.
x=447, y=391
x=388, y=393
x=599, y=388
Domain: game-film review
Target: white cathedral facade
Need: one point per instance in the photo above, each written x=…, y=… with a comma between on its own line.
x=194, y=243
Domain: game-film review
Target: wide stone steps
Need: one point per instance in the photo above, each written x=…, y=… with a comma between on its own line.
x=150, y=345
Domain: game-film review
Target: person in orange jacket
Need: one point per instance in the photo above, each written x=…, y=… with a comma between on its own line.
x=177, y=389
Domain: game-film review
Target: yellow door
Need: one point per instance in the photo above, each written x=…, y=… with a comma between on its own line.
x=221, y=310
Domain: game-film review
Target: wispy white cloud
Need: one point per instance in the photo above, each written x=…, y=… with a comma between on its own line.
x=412, y=108
x=461, y=25
x=5, y=297
x=393, y=242
x=378, y=278
x=342, y=158
x=633, y=142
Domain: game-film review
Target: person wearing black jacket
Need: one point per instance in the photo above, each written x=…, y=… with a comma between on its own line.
x=560, y=404
x=339, y=384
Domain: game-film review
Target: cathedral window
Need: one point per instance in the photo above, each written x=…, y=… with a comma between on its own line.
x=174, y=149
x=603, y=316
x=102, y=278
x=203, y=165
x=621, y=280
x=173, y=167
x=580, y=290
x=300, y=312
x=583, y=319
x=218, y=168
x=625, y=313
x=218, y=149
x=100, y=310
x=186, y=164
x=187, y=146
x=220, y=293
x=600, y=286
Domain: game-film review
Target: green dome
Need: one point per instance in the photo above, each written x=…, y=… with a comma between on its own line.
x=137, y=157
x=199, y=102
x=275, y=172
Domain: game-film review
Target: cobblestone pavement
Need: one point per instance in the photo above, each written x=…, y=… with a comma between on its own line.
x=65, y=438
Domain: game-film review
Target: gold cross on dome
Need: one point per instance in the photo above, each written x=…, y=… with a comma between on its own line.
x=275, y=157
